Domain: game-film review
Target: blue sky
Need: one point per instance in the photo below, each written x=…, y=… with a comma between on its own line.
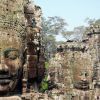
x=73, y=11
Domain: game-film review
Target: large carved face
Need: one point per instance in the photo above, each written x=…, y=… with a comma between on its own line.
x=10, y=61
x=82, y=71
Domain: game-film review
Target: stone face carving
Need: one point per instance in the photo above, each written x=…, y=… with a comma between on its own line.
x=21, y=57
x=82, y=72
x=33, y=15
x=79, y=59
x=34, y=53
x=10, y=63
x=75, y=68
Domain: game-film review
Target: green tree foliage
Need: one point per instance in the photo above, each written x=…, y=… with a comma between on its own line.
x=44, y=85
x=79, y=32
x=76, y=33
x=92, y=22
x=89, y=21
x=97, y=22
x=50, y=45
x=67, y=34
x=51, y=27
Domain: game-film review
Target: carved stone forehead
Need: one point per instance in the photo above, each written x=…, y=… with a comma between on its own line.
x=9, y=38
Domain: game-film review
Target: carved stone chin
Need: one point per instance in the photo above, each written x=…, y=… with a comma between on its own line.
x=9, y=75
x=82, y=85
x=7, y=85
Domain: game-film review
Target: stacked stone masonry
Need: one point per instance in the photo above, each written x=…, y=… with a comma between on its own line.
x=75, y=70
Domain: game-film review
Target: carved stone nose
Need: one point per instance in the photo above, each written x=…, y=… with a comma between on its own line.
x=84, y=79
x=3, y=66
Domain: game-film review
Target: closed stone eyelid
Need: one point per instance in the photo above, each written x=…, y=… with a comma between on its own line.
x=6, y=52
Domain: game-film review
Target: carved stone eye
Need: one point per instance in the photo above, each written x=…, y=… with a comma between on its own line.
x=84, y=73
x=11, y=54
x=12, y=57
